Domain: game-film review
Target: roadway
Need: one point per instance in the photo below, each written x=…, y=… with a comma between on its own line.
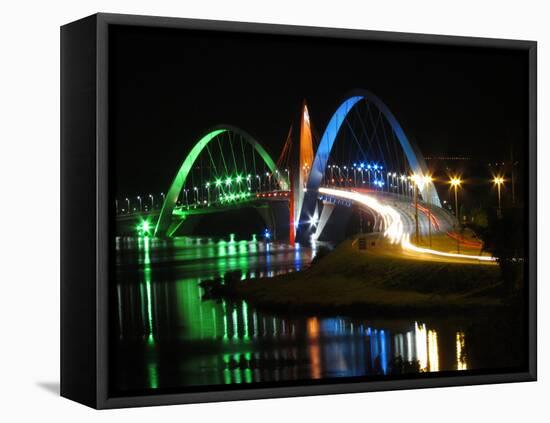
x=397, y=214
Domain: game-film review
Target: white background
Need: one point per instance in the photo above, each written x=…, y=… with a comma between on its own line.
x=29, y=167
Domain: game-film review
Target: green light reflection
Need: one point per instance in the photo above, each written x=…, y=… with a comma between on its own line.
x=153, y=375
x=147, y=276
x=245, y=320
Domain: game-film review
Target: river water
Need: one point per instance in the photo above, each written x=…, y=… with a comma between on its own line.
x=164, y=336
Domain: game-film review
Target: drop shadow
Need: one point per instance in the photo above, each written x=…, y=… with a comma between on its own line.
x=51, y=387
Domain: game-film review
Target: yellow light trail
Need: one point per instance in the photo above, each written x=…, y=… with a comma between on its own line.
x=393, y=225
x=407, y=245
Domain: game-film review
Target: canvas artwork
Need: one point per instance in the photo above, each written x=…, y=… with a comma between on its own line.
x=259, y=211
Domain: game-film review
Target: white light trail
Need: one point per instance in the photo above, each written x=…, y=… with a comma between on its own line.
x=393, y=224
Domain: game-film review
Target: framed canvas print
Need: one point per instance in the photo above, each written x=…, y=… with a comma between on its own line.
x=255, y=211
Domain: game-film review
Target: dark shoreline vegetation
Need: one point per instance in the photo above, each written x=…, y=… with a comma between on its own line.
x=355, y=282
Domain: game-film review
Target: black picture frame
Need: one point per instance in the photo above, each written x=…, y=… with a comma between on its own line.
x=85, y=215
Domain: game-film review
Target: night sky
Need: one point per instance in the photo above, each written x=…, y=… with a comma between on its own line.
x=168, y=87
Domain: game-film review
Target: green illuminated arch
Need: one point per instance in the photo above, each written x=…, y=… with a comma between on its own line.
x=178, y=183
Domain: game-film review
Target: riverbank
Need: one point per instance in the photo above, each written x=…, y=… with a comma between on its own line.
x=375, y=280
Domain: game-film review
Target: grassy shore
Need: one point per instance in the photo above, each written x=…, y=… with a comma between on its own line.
x=376, y=280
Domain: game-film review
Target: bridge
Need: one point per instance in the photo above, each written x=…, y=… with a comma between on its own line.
x=363, y=159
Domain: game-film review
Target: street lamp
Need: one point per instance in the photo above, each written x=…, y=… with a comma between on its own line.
x=128, y=201
x=140, y=204
x=498, y=181
x=428, y=182
x=418, y=182
x=455, y=183
x=368, y=174
x=347, y=176
x=152, y=201
x=287, y=179
x=208, y=193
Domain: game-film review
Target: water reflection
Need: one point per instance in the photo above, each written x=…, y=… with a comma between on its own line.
x=460, y=352
x=168, y=336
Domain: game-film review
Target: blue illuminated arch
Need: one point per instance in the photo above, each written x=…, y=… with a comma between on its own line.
x=415, y=160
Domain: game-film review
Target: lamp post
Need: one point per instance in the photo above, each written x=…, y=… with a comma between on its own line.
x=498, y=181
x=418, y=183
x=140, y=203
x=208, y=193
x=347, y=176
x=368, y=174
x=128, y=202
x=152, y=201
x=455, y=183
x=218, y=184
x=415, y=179
x=428, y=180
x=287, y=179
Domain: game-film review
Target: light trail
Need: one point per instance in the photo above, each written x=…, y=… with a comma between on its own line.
x=393, y=225
x=464, y=242
x=407, y=245
x=394, y=229
x=427, y=213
